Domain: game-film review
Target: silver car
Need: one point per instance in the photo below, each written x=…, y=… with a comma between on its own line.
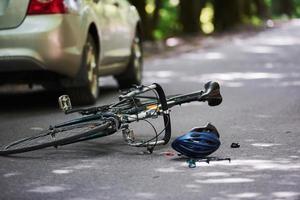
x=69, y=44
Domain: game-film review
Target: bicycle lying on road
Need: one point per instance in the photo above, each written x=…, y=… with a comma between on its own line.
x=136, y=104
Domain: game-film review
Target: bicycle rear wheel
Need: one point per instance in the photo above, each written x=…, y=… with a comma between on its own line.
x=59, y=136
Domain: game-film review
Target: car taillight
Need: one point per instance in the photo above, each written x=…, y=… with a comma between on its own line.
x=46, y=7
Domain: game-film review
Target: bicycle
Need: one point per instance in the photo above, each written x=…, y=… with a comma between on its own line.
x=134, y=105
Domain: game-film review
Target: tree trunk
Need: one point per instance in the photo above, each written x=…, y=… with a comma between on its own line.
x=262, y=9
x=227, y=13
x=247, y=8
x=155, y=16
x=283, y=7
x=190, y=15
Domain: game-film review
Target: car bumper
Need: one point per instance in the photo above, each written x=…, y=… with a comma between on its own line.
x=45, y=42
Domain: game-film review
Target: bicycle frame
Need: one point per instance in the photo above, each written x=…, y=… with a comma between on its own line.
x=211, y=94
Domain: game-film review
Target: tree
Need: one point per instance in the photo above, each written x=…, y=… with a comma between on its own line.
x=227, y=13
x=190, y=15
x=280, y=7
x=261, y=9
x=149, y=22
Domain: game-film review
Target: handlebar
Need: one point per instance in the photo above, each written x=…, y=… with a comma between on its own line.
x=163, y=105
x=211, y=94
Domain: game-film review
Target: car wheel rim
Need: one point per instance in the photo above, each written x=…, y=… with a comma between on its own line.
x=92, y=71
x=137, y=59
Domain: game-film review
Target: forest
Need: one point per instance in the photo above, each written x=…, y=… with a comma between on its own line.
x=165, y=18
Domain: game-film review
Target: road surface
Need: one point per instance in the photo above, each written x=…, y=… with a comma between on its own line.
x=260, y=81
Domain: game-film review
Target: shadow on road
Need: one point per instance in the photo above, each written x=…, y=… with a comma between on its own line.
x=37, y=99
x=97, y=148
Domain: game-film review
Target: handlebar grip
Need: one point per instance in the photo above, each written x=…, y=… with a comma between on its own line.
x=212, y=94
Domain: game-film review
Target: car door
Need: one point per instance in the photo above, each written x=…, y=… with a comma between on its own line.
x=123, y=34
x=103, y=10
x=116, y=32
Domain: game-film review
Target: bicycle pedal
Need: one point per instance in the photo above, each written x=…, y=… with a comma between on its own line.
x=64, y=102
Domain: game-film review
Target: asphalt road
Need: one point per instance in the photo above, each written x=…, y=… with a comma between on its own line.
x=260, y=80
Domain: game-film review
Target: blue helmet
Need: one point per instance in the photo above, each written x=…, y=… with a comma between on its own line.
x=199, y=142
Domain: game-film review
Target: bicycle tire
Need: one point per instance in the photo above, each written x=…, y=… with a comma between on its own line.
x=54, y=137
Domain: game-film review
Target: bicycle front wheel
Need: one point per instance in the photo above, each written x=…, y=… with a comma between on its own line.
x=54, y=137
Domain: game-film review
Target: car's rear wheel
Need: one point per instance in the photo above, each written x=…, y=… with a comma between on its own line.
x=86, y=89
x=133, y=73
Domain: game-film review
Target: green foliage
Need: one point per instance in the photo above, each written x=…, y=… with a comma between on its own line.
x=256, y=21
x=297, y=8
x=252, y=12
x=168, y=24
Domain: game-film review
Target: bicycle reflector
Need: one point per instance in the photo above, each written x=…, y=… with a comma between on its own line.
x=65, y=103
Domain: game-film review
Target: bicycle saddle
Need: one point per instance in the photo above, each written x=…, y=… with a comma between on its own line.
x=212, y=94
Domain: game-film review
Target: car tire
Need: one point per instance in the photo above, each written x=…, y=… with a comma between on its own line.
x=86, y=87
x=133, y=73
